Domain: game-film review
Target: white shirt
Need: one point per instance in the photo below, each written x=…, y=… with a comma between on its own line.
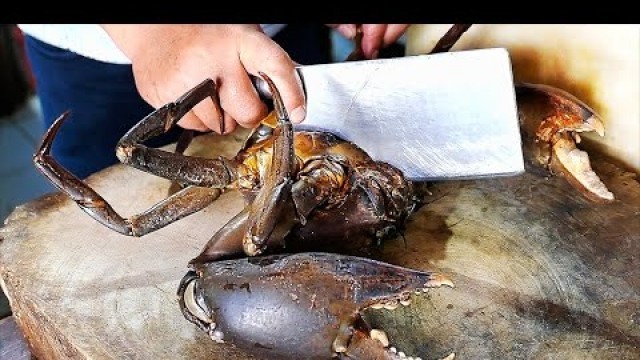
x=90, y=40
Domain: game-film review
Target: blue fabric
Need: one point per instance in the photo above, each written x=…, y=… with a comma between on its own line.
x=104, y=102
x=102, y=98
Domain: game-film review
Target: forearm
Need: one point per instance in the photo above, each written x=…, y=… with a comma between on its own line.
x=133, y=38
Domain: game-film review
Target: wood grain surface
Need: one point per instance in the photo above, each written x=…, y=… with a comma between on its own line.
x=540, y=272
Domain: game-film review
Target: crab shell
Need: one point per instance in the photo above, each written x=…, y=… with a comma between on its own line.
x=301, y=306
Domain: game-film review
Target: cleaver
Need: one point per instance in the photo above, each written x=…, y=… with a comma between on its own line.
x=450, y=115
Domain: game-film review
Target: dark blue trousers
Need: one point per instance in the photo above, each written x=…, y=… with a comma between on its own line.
x=104, y=102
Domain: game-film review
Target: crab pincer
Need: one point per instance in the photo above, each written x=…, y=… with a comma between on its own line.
x=300, y=306
x=554, y=119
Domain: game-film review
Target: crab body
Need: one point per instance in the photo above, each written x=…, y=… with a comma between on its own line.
x=362, y=200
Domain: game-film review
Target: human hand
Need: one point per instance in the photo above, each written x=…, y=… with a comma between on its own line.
x=374, y=36
x=169, y=60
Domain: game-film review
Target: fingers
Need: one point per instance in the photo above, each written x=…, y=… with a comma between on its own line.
x=372, y=38
x=377, y=36
x=182, y=56
x=238, y=98
x=192, y=122
x=393, y=33
x=261, y=54
x=230, y=123
x=347, y=30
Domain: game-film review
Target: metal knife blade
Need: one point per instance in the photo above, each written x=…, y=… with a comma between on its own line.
x=443, y=116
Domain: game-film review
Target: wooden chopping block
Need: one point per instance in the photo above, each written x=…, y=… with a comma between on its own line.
x=540, y=272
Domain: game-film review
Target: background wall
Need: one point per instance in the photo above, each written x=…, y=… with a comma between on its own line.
x=20, y=182
x=600, y=64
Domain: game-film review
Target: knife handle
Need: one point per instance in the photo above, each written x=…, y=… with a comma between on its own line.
x=261, y=87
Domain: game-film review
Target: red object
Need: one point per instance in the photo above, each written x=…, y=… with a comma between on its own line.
x=19, y=39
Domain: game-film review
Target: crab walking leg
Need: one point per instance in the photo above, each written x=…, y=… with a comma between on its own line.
x=181, y=204
x=216, y=173
x=273, y=201
x=226, y=242
x=184, y=141
x=181, y=146
x=357, y=53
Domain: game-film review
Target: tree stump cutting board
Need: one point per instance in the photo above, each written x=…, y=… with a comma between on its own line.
x=540, y=272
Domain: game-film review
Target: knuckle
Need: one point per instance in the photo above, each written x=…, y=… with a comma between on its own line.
x=251, y=118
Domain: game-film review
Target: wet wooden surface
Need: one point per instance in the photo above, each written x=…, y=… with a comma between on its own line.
x=540, y=272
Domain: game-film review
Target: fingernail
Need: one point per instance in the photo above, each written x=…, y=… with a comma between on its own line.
x=298, y=114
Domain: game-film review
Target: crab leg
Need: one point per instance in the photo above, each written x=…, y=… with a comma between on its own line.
x=227, y=241
x=272, y=214
x=183, y=203
x=181, y=146
x=273, y=205
x=216, y=173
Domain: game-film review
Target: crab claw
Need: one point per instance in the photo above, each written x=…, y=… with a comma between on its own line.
x=302, y=306
x=553, y=118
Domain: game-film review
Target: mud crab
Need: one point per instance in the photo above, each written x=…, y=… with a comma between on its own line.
x=281, y=279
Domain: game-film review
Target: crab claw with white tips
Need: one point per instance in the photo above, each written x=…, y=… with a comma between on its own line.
x=551, y=120
x=301, y=306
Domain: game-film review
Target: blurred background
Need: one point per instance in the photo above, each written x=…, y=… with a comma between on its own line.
x=21, y=127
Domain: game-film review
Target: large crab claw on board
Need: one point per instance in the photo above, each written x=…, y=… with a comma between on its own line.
x=300, y=306
x=553, y=118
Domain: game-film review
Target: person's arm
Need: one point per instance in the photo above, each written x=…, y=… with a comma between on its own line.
x=168, y=60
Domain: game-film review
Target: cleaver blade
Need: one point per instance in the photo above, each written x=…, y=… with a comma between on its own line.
x=443, y=116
